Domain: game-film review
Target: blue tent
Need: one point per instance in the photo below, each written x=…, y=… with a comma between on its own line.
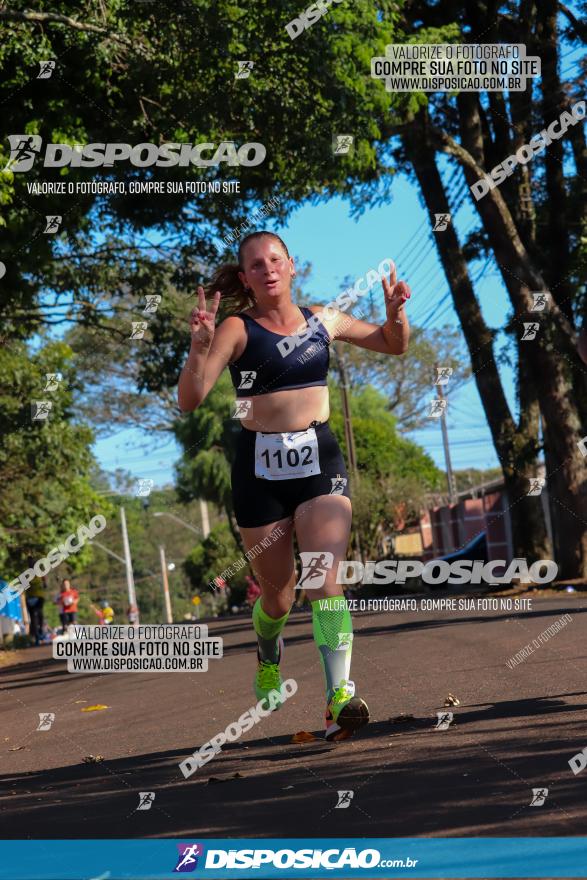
x=12, y=609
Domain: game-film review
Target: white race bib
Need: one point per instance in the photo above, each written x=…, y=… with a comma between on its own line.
x=288, y=456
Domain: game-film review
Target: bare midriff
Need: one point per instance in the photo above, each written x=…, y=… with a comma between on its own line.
x=282, y=411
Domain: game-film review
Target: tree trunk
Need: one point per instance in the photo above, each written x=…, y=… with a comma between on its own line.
x=552, y=356
x=516, y=446
x=554, y=101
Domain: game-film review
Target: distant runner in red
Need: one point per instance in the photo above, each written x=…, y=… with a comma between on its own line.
x=67, y=601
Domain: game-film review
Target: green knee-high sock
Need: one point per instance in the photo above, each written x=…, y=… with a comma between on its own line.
x=268, y=630
x=333, y=634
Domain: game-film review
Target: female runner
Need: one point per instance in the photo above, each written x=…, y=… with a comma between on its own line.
x=288, y=461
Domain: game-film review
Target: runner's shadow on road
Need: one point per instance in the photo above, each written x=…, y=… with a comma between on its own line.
x=521, y=708
x=397, y=792
x=49, y=677
x=25, y=666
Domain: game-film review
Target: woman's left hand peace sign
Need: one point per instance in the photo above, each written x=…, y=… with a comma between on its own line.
x=396, y=293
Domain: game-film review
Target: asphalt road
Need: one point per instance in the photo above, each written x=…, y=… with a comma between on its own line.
x=514, y=730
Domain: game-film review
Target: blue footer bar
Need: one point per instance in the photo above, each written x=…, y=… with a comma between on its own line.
x=293, y=857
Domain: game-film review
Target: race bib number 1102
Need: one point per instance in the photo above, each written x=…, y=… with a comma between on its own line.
x=287, y=456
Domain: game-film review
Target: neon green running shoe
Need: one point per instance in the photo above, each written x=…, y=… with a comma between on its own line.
x=268, y=677
x=345, y=713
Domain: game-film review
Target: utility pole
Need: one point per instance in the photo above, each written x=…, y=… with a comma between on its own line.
x=346, y=410
x=452, y=492
x=166, y=597
x=132, y=596
x=205, y=518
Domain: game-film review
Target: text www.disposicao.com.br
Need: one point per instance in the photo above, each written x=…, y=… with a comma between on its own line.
x=135, y=664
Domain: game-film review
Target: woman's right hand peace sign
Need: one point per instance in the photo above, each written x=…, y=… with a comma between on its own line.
x=203, y=322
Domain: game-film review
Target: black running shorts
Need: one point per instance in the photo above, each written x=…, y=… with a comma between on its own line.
x=258, y=501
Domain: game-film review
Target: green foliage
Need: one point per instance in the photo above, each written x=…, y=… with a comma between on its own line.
x=395, y=474
x=105, y=577
x=381, y=452
x=46, y=465
x=208, y=436
x=152, y=76
x=213, y=556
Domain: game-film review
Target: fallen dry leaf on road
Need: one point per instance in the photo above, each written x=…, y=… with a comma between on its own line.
x=94, y=708
x=451, y=700
x=215, y=779
x=93, y=759
x=401, y=718
x=16, y=748
x=302, y=736
x=81, y=701
x=287, y=787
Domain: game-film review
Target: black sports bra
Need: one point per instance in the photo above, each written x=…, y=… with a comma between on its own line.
x=272, y=362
